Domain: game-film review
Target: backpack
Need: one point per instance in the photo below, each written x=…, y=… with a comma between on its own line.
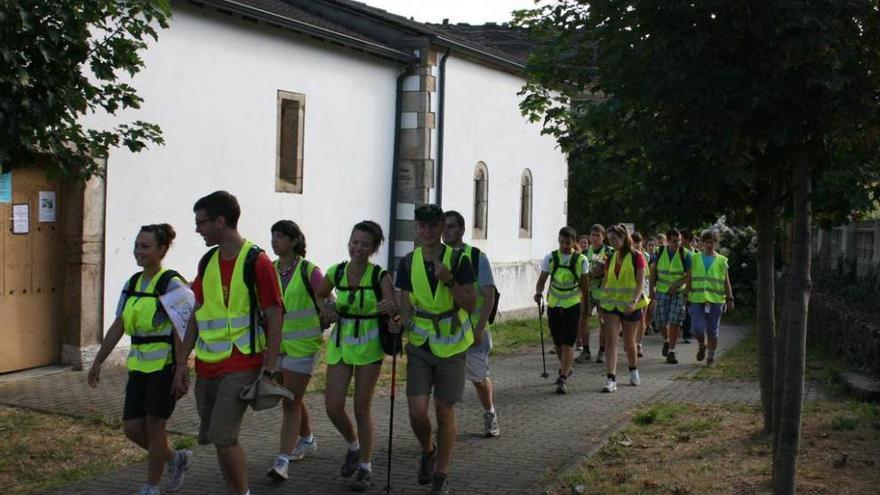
x=556, y=265
x=475, y=261
x=391, y=343
x=161, y=288
x=250, y=281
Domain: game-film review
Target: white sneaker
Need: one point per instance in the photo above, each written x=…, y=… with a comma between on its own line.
x=177, y=470
x=490, y=423
x=279, y=470
x=610, y=385
x=303, y=449
x=634, y=378
x=149, y=490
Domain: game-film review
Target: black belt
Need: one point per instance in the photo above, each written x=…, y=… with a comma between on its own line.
x=152, y=339
x=357, y=323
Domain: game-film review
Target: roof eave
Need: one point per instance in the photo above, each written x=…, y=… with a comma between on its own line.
x=492, y=59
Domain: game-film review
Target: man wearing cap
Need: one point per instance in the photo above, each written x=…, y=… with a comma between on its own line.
x=436, y=282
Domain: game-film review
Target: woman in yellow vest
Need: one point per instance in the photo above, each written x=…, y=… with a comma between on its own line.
x=301, y=340
x=623, y=302
x=148, y=399
x=709, y=294
x=364, y=301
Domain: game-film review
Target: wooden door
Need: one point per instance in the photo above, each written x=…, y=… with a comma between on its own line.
x=31, y=274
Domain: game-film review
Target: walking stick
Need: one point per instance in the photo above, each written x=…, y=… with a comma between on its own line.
x=393, y=394
x=541, y=326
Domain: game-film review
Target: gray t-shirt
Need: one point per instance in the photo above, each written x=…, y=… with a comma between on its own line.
x=160, y=317
x=484, y=272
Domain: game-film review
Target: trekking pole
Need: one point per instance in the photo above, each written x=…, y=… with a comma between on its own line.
x=541, y=326
x=391, y=418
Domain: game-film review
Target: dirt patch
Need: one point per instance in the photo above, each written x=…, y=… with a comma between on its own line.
x=696, y=449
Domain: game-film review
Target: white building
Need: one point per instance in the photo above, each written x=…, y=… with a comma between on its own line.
x=325, y=112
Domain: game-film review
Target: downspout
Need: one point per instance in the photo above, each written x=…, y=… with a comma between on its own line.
x=441, y=118
x=392, y=210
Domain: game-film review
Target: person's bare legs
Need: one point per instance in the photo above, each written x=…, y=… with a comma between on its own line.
x=338, y=377
x=365, y=378
x=292, y=410
x=420, y=421
x=232, y=465
x=630, y=331
x=447, y=430
x=611, y=328
x=484, y=392
x=149, y=433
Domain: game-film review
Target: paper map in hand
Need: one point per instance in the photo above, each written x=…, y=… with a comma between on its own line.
x=179, y=305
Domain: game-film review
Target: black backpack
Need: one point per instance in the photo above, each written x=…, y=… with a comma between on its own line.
x=250, y=281
x=557, y=265
x=131, y=290
x=475, y=261
x=391, y=343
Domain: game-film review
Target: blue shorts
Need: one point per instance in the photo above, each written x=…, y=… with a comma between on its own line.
x=705, y=318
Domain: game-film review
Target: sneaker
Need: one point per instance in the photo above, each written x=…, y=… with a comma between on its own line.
x=710, y=363
x=685, y=340
x=279, y=470
x=490, y=424
x=303, y=449
x=600, y=357
x=610, y=386
x=634, y=378
x=363, y=481
x=177, y=470
x=578, y=347
x=562, y=388
x=551, y=351
x=426, y=466
x=670, y=358
x=701, y=353
x=585, y=357
x=149, y=490
x=351, y=464
x=639, y=350
x=665, y=350
x=559, y=379
x=439, y=485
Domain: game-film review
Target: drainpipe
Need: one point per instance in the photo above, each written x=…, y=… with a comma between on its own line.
x=441, y=118
x=392, y=213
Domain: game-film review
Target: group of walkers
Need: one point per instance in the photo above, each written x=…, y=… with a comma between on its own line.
x=632, y=288
x=259, y=323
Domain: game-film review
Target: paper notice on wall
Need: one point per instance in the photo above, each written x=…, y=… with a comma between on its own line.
x=179, y=305
x=47, y=206
x=6, y=187
x=21, y=222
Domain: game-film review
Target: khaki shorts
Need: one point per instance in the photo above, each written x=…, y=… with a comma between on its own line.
x=220, y=409
x=426, y=372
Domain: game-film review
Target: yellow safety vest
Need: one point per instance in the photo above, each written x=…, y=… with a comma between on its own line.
x=138, y=316
x=708, y=285
x=669, y=270
x=618, y=290
x=301, y=331
x=565, y=289
x=435, y=319
x=355, y=337
x=224, y=324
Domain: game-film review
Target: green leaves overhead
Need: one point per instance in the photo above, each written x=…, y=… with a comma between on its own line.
x=62, y=60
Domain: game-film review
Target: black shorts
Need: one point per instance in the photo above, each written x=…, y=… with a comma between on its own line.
x=149, y=393
x=636, y=315
x=564, y=324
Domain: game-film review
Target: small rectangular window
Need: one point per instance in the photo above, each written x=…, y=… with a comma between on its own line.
x=289, y=161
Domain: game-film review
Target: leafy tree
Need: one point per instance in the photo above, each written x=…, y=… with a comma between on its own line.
x=63, y=60
x=726, y=104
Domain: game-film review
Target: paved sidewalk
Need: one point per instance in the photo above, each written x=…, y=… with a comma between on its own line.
x=541, y=432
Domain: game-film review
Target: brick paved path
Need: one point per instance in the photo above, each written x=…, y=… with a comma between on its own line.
x=541, y=432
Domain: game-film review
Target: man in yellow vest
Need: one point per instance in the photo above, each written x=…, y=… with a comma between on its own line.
x=477, y=362
x=709, y=295
x=236, y=282
x=437, y=294
x=598, y=253
x=667, y=290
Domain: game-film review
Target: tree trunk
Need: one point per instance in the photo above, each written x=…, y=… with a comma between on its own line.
x=766, y=213
x=797, y=300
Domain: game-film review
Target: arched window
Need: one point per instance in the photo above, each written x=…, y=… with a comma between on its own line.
x=481, y=201
x=525, y=204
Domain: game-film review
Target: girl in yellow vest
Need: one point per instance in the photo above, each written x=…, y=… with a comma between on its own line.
x=148, y=399
x=301, y=340
x=709, y=294
x=623, y=302
x=354, y=347
x=643, y=324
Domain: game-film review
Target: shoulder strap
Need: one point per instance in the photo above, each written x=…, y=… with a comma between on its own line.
x=572, y=262
x=475, y=260
x=456, y=259
x=376, y=281
x=131, y=288
x=307, y=282
x=203, y=263
x=554, y=263
x=165, y=279
x=250, y=280
x=338, y=274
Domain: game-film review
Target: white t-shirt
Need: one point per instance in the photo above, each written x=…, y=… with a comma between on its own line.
x=564, y=260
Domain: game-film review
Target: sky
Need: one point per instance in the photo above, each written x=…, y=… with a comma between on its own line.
x=469, y=11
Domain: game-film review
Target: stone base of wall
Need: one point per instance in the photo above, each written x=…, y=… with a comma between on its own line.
x=81, y=358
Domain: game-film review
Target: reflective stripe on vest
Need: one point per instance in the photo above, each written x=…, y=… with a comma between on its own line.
x=619, y=288
x=564, y=285
x=301, y=334
x=435, y=319
x=708, y=286
x=138, y=315
x=223, y=324
x=355, y=341
x=669, y=271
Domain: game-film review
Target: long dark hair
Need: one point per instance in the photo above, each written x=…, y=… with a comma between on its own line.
x=290, y=229
x=621, y=231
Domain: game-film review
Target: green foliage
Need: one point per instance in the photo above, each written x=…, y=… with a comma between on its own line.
x=66, y=59
x=844, y=423
x=658, y=414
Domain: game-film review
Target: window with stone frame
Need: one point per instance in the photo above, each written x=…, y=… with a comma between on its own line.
x=289, y=159
x=525, y=205
x=481, y=201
